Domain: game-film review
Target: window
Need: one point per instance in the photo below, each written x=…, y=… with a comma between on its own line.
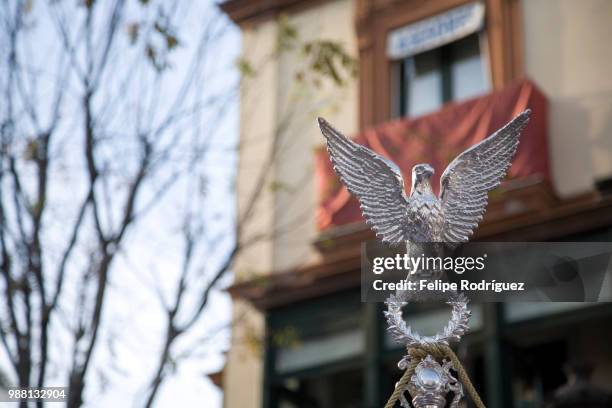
x=387, y=34
x=315, y=353
x=426, y=81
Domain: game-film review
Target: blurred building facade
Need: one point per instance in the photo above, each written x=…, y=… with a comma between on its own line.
x=427, y=61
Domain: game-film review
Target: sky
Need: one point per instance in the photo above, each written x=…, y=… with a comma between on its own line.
x=133, y=321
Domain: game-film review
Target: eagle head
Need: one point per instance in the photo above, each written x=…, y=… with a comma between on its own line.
x=421, y=173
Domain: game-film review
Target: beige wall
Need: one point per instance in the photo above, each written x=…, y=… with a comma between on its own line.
x=287, y=204
x=295, y=206
x=242, y=379
x=568, y=53
x=242, y=376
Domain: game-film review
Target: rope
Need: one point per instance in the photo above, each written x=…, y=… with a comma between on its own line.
x=399, y=388
x=463, y=377
x=438, y=351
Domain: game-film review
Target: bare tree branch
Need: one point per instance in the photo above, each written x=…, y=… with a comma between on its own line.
x=96, y=135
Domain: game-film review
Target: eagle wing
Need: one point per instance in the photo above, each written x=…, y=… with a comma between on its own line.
x=376, y=181
x=467, y=180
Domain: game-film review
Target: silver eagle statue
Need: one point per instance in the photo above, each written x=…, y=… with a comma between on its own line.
x=420, y=218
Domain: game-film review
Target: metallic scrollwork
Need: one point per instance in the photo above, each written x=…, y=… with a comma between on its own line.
x=430, y=384
x=402, y=333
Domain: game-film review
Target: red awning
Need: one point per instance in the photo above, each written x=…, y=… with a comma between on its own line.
x=437, y=139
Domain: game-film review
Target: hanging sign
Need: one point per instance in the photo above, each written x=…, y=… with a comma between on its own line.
x=436, y=31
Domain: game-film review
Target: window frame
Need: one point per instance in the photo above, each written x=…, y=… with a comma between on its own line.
x=376, y=18
x=400, y=108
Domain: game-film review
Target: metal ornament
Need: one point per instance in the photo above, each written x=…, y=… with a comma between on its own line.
x=421, y=218
x=430, y=384
x=402, y=333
